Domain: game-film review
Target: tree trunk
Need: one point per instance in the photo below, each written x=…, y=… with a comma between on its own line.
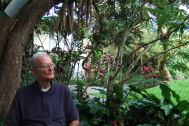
x=165, y=73
x=162, y=66
x=13, y=38
x=160, y=63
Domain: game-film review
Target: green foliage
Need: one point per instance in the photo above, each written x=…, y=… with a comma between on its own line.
x=147, y=83
x=93, y=113
x=178, y=62
x=26, y=75
x=97, y=112
x=65, y=64
x=151, y=82
x=179, y=86
x=2, y=117
x=153, y=111
x=80, y=89
x=42, y=27
x=148, y=110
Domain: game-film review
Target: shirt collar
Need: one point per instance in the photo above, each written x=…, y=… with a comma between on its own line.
x=39, y=91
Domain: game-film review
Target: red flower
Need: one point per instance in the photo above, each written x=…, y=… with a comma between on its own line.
x=155, y=75
x=114, y=122
x=100, y=70
x=108, y=58
x=146, y=69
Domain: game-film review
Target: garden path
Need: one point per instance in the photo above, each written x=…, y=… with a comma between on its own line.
x=93, y=89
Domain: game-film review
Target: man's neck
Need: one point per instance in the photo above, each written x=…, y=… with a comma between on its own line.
x=44, y=84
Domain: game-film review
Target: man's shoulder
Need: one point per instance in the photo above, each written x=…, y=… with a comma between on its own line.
x=25, y=88
x=60, y=86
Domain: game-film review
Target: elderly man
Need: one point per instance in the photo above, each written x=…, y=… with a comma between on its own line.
x=43, y=103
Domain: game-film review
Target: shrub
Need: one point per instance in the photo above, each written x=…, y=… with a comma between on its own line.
x=122, y=110
x=151, y=82
x=149, y=110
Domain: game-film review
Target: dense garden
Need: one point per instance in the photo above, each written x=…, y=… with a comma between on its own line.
x=134, y=49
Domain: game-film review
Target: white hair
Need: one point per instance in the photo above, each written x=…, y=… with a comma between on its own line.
x=32, y=62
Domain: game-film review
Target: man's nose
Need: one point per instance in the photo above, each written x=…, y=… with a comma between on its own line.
x=50, y=67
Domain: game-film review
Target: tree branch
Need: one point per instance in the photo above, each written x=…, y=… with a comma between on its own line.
x=122, y=82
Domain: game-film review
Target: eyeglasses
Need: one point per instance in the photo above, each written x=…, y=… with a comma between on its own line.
x=46, y=66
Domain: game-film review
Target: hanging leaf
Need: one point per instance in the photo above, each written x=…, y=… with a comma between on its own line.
x=183, y=105
x=165, y=91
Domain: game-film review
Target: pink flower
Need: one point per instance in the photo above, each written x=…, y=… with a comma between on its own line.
x=87, y=66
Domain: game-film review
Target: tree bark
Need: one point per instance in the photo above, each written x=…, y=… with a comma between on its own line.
x=13, y=38
x=165, y=73
x=160, y=63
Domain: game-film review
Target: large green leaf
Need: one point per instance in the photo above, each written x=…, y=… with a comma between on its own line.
x=83, y=106
x=183, y=105
x=165, y=91
x=118, y=91
x=176, y=96
x=166, y=108
x=137, y=90
x=102, y=91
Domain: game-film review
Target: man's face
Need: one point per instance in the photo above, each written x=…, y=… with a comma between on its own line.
x=44, y=70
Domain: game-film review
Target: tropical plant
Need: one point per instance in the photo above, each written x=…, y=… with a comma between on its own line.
x=124, y=110
x=118, y=49
x=150, y=110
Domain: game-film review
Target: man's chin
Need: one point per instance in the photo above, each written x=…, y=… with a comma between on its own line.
x=50, y=78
